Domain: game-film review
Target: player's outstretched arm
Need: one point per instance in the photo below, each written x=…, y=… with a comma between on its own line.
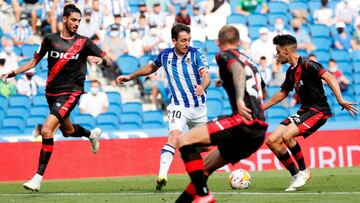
x=27, y=66
x=145, y=70
x=334, y=85
x=278, y=97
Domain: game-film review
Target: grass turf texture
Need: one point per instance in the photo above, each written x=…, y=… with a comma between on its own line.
x=327, y=185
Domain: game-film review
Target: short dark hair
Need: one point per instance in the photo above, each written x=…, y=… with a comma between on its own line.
x=284, y=40
x=70, y=8
x=177, y=28
x=228, y=34
x=263, y=58
x=332, y=60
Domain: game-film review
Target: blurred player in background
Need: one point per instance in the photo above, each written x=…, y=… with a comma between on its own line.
x=187, y=73
x=68, y=53
x=306, y=77
x=236, y=136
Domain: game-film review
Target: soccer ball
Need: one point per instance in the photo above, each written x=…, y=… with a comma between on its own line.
x=239, y=179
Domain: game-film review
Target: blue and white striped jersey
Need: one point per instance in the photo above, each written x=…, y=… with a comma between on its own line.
x=183, y=72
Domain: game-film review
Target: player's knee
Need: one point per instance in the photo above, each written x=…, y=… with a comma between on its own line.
x=46, y=132
x=271, y=142
x=286, y=138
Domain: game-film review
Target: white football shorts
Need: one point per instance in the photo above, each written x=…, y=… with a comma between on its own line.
x=181, y=118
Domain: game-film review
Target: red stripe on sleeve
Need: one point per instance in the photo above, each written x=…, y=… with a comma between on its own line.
x=322, y=71
x=195, y=165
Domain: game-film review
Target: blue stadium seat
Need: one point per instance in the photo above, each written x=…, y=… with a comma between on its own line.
x=127, y=64
x=341, y=115
x=19, y=100
x=210, y=57
x=340, y=56
x=302, y=52
x=18, y=112
x=297, y=5
x=131, y=119
x=319, y=30
x=357, y=89
x=356, y=66
x=211, y=47
x=153, y=116
x=278, y=7
x=39, y=100
x=10, y=130
x=254, y=32
x=321, y=43
x=144, y=60
x=28, y=50
x=314, y=5
x=214, y=108
x=114, y=98
x=322, y=55
x=272, y=90
x=107, y=118
x=257, y=20
x=115, y=109
x=107, y=126
x=32, y=121
x=199, y=44
x=3, y=102
x=129, y=126
x=135, y=2
x=133, y=107
x=39, y=111
x=226, y=108
x=273, y=16
x=14, y=122
x=214, y=93
x=345, y=67
x=153, y=125
x=356, y=78
x=85, y=120
x=2, y=115
x=17, y=50
x=355, y=55
x=236, y=19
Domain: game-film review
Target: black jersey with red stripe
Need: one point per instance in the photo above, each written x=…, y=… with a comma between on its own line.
x=67, y=58
x=305, y=77
x=253, y=88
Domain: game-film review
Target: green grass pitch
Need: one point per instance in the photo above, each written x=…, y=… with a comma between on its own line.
x=326, y=185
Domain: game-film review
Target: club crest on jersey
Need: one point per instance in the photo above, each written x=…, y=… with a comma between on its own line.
x=62, y=55
x=299, y=84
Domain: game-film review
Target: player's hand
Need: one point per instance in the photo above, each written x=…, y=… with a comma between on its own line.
x=218, y=82
x=122, y=79
x=244, y=111
x=199, y=90
x=349, y=106
x=95, y=59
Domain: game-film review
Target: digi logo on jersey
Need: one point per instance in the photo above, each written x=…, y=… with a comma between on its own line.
x=62, y=55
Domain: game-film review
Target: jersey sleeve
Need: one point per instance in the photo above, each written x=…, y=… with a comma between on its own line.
x=158, y=61
x=315, y=67
x=201, y=60
x=287, y=85
x=93, y=49
x=43, y=49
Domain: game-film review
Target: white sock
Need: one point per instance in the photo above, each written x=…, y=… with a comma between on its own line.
x=92, y=135
x=166, y=158
x=38, y=177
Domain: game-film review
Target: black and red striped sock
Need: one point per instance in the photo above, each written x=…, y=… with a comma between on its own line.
x=189, y=193
x=80, y=131
x=195, y=167
x=297, y=154
x=289, y=164
x=45, y=154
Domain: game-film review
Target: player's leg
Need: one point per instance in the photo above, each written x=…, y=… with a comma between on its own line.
x=47, y=132
x=212, y=162
x=177, y=122
x=192, y=159
x=69, y=129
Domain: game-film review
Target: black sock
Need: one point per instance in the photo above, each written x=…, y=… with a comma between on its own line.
x=80, y=131
x=45, y=154
x=195, y=167
x=297, y=154
x=289, y=164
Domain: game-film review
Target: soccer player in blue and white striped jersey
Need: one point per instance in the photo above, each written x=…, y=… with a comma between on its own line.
x=186, y=69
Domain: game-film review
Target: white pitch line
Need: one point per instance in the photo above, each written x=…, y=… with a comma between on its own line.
x=177, y=193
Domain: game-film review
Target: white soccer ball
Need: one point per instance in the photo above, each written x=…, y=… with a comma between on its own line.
x=239, y=179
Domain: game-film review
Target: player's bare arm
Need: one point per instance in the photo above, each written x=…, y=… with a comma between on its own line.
x=278, y=97
x=200, y=89
x=145, y=70
x=27, y=66
x=98, y=60
x=334, y=85
x=239, y=76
